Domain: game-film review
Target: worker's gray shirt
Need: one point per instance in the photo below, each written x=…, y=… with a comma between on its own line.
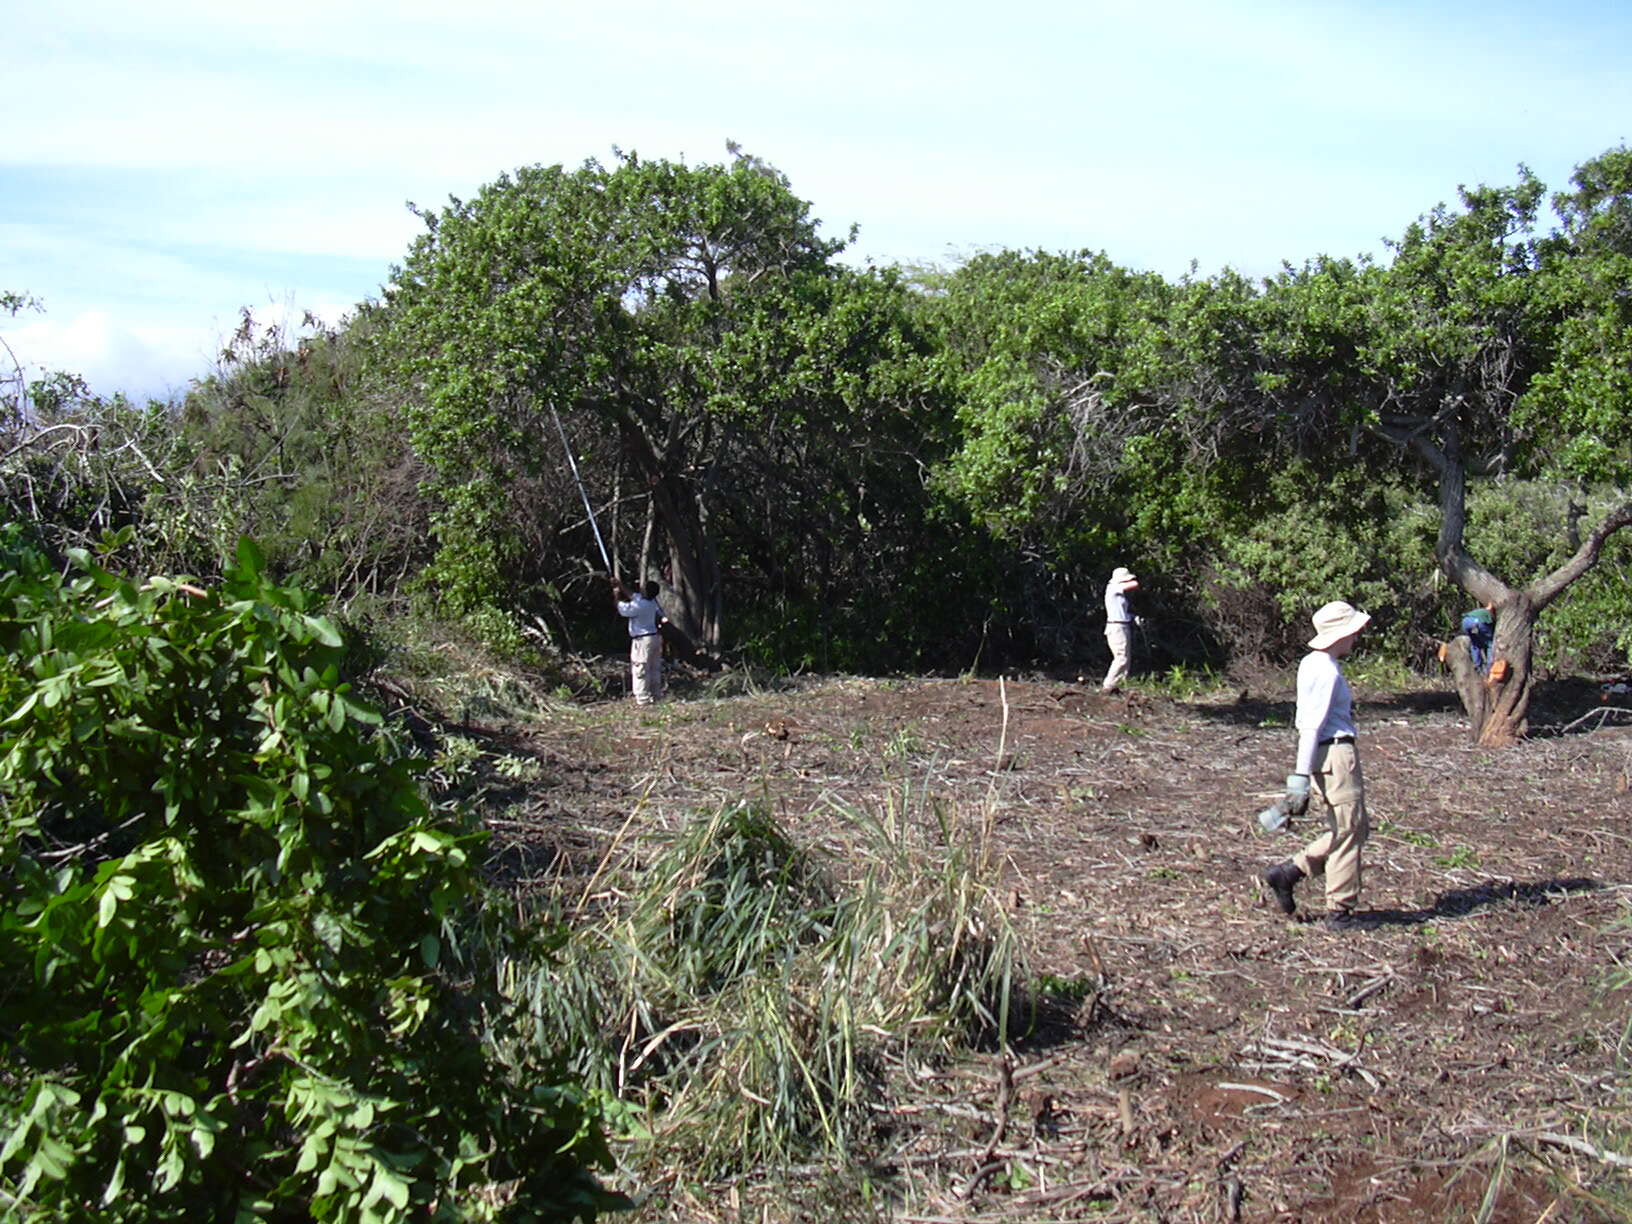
x=643, y=615
x=1116, y=603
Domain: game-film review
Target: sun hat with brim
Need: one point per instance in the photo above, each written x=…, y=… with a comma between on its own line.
x=1119, y=574
x=1336, y=621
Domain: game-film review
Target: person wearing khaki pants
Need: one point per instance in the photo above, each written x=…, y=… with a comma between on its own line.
x=1118, y=626
x=1336, y=852
x=1328, y=757
x=646, y=621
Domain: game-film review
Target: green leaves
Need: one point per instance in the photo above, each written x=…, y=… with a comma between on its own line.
x=251, y=560
x=1582, y=400
x=662, y=309
x=224, y=920
x=1046, y=357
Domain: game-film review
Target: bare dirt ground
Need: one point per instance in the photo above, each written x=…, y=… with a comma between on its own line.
x=1200, y=1057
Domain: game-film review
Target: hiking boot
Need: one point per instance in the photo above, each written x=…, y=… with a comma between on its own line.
x=1347, y=920
x=1281, y=879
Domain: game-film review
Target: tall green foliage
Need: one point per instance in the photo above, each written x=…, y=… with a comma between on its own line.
x=240, y=952
x=649, y=304
x=292, y=441
x=829, y=551
x=1048, y=358
x=1582, y=402
x=1255, y=441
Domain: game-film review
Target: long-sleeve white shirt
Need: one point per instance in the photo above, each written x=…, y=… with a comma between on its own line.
x=643, y=615
x=1325, y=706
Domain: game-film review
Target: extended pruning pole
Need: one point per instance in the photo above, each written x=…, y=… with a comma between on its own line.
x=582, y=492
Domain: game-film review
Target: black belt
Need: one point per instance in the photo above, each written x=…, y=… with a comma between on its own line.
x=1337, y=739
x=654, y=633
x=1119, y=622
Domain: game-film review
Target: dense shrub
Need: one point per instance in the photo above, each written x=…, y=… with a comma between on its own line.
x=1521, y=526
x=245, y=965
x=1321, y=536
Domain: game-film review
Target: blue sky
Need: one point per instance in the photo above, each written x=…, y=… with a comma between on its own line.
x=170, y=163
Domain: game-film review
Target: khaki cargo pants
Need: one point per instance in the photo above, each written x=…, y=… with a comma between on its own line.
x=1117, y=638
x=646, y=667
x=1336, y=852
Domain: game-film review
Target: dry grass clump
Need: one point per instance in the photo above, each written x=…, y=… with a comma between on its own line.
x=738, y=993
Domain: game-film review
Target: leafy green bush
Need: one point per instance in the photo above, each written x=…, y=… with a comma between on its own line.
x=1590, y=629
x=245, y=965
x=1322, y=536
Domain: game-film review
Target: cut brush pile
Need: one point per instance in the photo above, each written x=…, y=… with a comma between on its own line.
x=743, y=995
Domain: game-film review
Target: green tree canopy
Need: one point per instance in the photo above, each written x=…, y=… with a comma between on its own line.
x=647, y=303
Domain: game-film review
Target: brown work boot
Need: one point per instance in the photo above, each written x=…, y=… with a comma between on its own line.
x=1282, y=878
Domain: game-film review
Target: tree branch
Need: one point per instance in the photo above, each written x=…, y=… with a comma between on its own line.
x=81, y=430
x=1548, y=588
x=1452, y=554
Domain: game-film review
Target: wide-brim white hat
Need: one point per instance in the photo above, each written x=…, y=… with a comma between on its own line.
x=1120, y=574
x=1336, y=621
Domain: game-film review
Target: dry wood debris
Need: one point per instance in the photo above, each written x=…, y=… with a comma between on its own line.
x=1194, y=1056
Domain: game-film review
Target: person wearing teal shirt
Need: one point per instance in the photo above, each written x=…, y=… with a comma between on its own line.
x=1480, y=626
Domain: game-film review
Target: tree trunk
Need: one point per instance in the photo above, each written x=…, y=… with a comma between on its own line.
x=693, y=577
x=1498, y=715
x=1511, y=678
x=694, y=569
x=1497, y=704
x=1457, y=655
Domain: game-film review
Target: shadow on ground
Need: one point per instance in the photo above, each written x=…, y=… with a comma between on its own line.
x=1250, y=710
x=1460, y=902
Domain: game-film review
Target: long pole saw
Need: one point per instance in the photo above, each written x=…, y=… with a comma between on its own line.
x=582, y=492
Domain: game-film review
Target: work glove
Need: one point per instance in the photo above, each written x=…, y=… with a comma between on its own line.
x=1139, y=621
x=1297, y=794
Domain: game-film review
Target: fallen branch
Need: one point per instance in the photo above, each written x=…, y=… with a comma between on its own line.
x=986, y=1166
x=1585, y=1149
x=1370, y=988
x=1295, y=1051
x=1259, y=1088
x=1601, y=714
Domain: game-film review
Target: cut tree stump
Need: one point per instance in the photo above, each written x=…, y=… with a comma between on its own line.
x=1471, y=687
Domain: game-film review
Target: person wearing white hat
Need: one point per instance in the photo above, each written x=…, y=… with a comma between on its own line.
x=1327, y=755
x=1118, y=625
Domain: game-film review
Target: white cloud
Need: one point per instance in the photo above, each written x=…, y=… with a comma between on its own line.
x=111, y=354
x=145, y=361
x=178, y=158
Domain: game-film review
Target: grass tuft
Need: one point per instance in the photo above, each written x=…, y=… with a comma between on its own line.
x=745, y=993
